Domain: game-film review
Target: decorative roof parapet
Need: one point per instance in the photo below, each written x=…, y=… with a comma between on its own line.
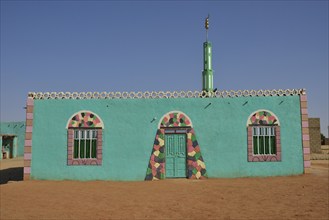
x=167, y=94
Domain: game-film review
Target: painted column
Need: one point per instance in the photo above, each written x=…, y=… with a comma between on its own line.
x=305, y=133
x=28, y=138
x=14, y=147
x=1, y=147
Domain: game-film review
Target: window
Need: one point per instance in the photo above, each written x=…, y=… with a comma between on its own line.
x=264, y=142
x=85, y=131
x=85, y=143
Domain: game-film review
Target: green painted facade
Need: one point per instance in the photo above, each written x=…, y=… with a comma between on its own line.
x=130, y=126
x=15, y=130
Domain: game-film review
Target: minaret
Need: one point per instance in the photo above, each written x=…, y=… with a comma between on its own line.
x=207, y=74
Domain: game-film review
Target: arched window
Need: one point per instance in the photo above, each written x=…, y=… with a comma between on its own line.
x=85, y=130
x=263, y=137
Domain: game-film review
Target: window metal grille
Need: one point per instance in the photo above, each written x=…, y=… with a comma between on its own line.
x=85, y=143
x=264, y=140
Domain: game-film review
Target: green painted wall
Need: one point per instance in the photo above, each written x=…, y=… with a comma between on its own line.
x=17, y=129
x=130, y=130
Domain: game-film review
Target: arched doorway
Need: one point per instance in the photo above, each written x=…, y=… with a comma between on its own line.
x=176, y=152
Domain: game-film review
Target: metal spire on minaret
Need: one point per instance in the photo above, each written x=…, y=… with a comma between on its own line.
x=206, y=25
x=207, y=73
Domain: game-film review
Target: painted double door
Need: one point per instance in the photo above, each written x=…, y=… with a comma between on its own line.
x=175, y=145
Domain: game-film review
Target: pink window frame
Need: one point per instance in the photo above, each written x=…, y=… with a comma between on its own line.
x=264, y=158
x=89, y=161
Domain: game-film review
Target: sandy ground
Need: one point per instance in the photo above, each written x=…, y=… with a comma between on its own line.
x=11, y=163
x=294, y=197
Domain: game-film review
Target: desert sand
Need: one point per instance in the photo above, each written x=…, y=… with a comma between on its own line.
x=292, y=197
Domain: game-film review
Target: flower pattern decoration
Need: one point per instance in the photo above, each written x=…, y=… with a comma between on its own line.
x=85, y=119
x=175, y=119
x=263, y=118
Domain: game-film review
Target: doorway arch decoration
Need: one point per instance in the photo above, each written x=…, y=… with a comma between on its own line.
x=195, y=165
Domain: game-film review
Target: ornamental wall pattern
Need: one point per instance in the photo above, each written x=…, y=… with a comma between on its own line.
x=85, y=119
x=196, y=168
x=165, y=94
x=263, y=118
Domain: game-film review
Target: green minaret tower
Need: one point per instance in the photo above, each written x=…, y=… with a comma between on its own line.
x=207, y=73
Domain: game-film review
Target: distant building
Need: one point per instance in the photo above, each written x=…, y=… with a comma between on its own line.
x=315, y=135
x=326, y=141
x=12, y=136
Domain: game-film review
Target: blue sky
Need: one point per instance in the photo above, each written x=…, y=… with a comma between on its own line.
x=157, y=46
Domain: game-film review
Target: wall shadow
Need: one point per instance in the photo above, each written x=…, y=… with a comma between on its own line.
x=11, y=174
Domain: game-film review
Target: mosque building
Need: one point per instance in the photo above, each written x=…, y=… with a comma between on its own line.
x=133, y=136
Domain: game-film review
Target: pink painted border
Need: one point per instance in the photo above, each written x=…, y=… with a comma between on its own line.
x=29, y=115
x=303, y=98
x=30, y=102
x=306, y=137
x=29, y=129
x=28, y=143
x=27, y=156
x=27, y=170
x=305, y=124
x=307, y=163
x=264, y=158
x=305, y=132
x=306, y=150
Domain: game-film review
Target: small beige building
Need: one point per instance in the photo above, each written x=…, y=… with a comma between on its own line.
x=315, y=135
